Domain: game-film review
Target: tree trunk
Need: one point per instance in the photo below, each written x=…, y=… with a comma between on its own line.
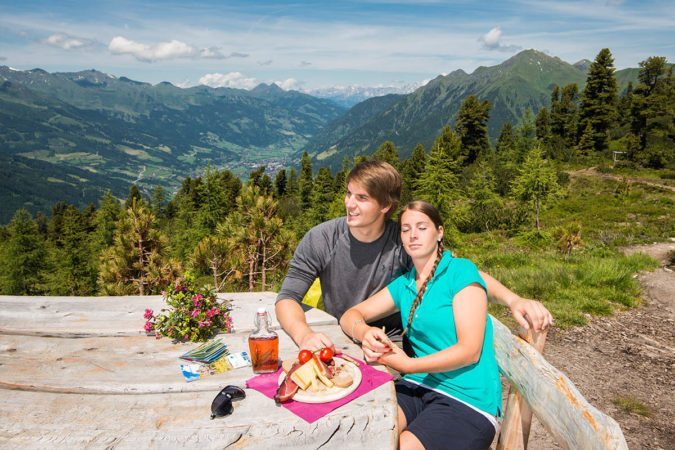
x=264, y=265
x=141, y=264
x=251, y=269
x=214, y=269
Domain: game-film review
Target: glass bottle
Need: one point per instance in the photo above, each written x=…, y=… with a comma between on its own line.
x=263, y=344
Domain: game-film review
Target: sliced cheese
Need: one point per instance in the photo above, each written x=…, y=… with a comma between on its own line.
x=304, y=375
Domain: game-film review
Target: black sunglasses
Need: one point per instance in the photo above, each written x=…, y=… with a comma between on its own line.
x=222, y=404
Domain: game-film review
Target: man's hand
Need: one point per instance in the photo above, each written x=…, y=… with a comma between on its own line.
x=531, y=314
x=315, y=341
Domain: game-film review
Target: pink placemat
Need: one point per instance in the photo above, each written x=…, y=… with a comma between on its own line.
x=267, y=384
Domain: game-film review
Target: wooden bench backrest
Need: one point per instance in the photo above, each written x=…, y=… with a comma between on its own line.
x=538, y=387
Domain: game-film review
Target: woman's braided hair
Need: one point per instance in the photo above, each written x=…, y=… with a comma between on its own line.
x=430, y=211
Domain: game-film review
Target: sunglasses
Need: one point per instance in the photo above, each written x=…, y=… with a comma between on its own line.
x=222, y=404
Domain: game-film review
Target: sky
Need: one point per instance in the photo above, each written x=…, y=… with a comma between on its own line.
x=307, y=45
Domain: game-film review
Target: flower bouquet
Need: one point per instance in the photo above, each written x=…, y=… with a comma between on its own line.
x=194, y=314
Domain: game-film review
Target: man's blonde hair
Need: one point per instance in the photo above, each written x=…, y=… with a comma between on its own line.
x=381, y=180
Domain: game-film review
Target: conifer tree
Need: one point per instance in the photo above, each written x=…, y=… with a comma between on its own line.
x=212, y=255
x=260, y=245
x=387, y=152
x=485, y=205
x=136, y=263
x=564, y=114
x=625, y=105
x=536, y=182
x=293, y=187
x=439, y=182
x=73, y=270
x=23, y=257
x=526, y=135
x=506, y=143
x=471, y=126
x=653, y=114
x=280, y=184
x=105, y=221
x=158, y=202
x=306, y=182
x=413, y=169
x=587, y=140
x=598, y=103
x=323, y=195
x=134, y=193
x=213, y=200
x=543, y=125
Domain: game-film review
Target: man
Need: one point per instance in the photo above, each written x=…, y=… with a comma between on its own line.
x=357, y=255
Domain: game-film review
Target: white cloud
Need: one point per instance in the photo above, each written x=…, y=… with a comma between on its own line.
x=290, y=84
x=491, y=41
x=66, y=42
x=148, y=53
x=230, y=80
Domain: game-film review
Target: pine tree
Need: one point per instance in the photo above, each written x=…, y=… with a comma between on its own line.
x=587, y=140
x=105, y=221
x=23, y=257
x=306, y=182
x=73, y=270
x=653, y=114
x=564, y=115
x=280, y=184
x=526, y=135
x=413, y=169
x=212, y=254
x=323, y=195
x=134, y=193
x=387, y=152
x=260, y=245
x=213, y=200
x=136, y=263
x=543, y=125
x=293, y=187
x=158, y=202
x=485, y=205
x=471, y=126
x=439, y=184
x=598, y=103
x=506, y=143
x=625, y=105
x=537, y=182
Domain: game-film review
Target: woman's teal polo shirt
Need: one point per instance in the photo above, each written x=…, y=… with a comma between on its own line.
x=433, y=329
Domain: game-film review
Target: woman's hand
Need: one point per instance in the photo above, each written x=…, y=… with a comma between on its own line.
x=397, y=360
x=374, y=344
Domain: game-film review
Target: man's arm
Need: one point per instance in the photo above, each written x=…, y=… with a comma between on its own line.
x=526, y=312
x=292, y=319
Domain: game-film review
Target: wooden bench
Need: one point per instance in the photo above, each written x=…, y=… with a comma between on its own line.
x=538, y=387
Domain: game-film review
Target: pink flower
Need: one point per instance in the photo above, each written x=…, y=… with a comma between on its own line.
x=196, y=312
x=148, y=326
x=148, y=314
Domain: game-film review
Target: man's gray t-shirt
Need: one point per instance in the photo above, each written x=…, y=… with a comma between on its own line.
x=350, y=270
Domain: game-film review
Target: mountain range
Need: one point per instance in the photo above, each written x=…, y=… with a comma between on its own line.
x=71, y=136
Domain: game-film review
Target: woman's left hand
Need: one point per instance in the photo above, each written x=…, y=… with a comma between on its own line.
x=397, y=360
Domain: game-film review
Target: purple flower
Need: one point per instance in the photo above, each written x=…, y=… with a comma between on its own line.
x=148, y=314
x=196, y=312
x=148, y=326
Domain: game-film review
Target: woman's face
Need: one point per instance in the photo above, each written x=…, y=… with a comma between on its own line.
x=419, y=234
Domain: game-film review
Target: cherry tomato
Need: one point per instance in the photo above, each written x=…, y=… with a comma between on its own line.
x=326, y=354
x=304, y=356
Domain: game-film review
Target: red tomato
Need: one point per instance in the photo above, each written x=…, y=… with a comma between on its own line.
x=304, y=356
x=326, y=354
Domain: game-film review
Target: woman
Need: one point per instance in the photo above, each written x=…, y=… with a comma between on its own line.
x=450, y=394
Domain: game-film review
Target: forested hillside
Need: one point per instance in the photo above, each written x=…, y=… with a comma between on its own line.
x=521, y=209
x=86, y=132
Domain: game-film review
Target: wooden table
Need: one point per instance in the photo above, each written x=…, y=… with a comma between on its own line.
x=80, y=373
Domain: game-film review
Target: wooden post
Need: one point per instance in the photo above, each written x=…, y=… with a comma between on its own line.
x=518, y=417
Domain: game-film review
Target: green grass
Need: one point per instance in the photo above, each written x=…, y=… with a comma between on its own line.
x=594, y=281
x=631, y=404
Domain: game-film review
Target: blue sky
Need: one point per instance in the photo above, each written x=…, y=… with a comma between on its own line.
x=320, y=44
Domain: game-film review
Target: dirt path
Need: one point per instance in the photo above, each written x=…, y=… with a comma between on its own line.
x=591, y=172
x=629, y=356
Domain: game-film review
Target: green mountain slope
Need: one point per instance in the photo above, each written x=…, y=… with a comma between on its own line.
x=523, y=81
x=126, y=131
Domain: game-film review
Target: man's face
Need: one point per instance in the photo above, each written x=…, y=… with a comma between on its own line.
x=362, y=209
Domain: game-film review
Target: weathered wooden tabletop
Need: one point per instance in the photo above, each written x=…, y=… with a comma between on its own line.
x=80, y=373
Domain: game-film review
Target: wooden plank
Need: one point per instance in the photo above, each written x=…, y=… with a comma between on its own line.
x=118, y=316
x=128, y=364
x=32, y=420
x=515, y=432
x=563, y=411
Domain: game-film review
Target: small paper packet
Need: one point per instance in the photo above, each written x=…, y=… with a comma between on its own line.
x=238, y=360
